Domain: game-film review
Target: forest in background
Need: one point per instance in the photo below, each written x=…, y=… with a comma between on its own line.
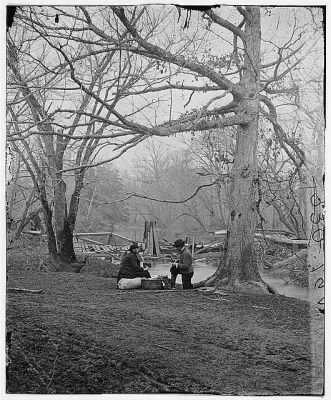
x=107, y=201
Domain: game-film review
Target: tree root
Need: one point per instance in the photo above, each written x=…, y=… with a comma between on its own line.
x=61, y=265
x=208, y=289
x=253, y=287
x=211, y=285
x=206, y=282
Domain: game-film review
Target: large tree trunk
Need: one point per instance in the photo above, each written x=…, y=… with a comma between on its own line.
x=64, y=232
x=238, y=268
x=48, y=215
x=60, y=245
x=65, y=241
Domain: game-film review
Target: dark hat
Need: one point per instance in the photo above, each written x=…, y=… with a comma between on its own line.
x=179, y=243
x=134, y=246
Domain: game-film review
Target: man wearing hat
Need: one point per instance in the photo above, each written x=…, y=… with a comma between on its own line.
x=183, y=266
x=130, y=273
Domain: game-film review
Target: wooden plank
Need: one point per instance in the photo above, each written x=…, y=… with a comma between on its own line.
x=79, y=234
x=90, y=240
x=98, y=246
x=155, y=240
x=92, y=233
x=38, y=233
x=99, y=250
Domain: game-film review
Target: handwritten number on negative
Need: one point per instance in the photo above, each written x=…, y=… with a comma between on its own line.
x=321, y=302
x=319, y=283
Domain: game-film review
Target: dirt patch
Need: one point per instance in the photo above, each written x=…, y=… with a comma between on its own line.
x=82, y=335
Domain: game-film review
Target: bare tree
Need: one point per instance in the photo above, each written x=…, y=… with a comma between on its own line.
x=281, y=187
x=213, y=154
x=164, y=175
x=237, y=88
x=22, y=202
x=251, y=85
x=56, y=128
x=98, y=210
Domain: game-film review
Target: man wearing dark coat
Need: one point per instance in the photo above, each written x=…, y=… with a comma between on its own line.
x=130, y=273
x=182, y=266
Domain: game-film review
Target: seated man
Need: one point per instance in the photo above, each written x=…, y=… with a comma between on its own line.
x=183, y=266
x=130, y=273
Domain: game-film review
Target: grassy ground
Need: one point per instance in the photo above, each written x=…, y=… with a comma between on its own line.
x=82, y=335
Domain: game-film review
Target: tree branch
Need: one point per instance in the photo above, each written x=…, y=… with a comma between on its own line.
x=174, y=86
x=141, y=196
x=157, y=52
x=91, y=165
x=271, y=64
x=225, y=24
x=281, y=135
x=286, y=71
x=202, y=124
x=244, y=13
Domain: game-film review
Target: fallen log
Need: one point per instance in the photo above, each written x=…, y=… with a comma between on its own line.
x=282, y=240
x=35, y=291
x=208, y=247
